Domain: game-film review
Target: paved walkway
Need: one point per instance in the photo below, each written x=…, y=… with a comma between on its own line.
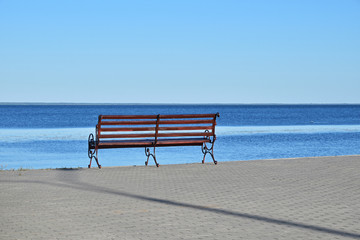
x=308, y=198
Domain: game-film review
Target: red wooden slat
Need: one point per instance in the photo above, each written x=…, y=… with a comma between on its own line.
x=184, y=142
x=168, y=116
x=148, y=143
x=129, y=144
x=127, y=123
x=185, y=134
x=185, y=128
x=187, y=116
x=127, y=129
x=127, y=135
x=179, y=122
x=129, y=117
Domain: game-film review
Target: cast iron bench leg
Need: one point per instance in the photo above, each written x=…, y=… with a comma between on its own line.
x=92, y=150
x=207, y=150
x=96, y=159
x=148, y=154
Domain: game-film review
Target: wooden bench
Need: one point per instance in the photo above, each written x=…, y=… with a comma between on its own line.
x=151, y=131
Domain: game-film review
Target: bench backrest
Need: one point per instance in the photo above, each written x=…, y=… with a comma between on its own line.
x=155, y=127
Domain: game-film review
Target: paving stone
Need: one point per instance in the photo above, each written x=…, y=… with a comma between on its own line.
x=304, y=198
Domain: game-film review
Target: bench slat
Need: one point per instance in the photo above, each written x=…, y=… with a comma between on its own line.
x=127, y=123
x=129, y=117
x=126, y=144
x=183, y=142
x=185, y=134
x=187, y=116
x=185, y=128
x=144, y=135
x=186, y=121
x=170, y=116
x=149, y=143
x=128, y=129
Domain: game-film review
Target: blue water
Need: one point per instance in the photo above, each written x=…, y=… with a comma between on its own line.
x=55, y=136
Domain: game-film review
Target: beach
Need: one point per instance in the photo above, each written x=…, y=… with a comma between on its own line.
x=300, y=198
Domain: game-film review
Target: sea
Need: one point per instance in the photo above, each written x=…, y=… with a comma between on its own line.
x=41, y=136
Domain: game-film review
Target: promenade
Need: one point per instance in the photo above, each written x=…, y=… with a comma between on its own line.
x=304, y=198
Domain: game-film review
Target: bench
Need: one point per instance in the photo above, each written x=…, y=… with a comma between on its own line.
x=151, y=131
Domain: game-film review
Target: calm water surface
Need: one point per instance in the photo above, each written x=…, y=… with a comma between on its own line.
x=55, y=136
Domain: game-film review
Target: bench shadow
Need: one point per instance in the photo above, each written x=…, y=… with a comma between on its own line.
x=67, y=169
x=92, y=188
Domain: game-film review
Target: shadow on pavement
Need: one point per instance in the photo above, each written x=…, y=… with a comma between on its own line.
x=70, y=183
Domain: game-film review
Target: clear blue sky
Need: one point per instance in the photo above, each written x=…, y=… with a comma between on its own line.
x=185, y=51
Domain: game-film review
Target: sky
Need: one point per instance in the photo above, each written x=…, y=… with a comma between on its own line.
x=180, y=51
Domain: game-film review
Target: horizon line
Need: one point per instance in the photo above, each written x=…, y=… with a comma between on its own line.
x=173, y=103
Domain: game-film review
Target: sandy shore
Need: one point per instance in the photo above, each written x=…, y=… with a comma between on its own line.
x=304, y=198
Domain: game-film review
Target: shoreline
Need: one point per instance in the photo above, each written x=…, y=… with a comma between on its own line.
x=179, y=164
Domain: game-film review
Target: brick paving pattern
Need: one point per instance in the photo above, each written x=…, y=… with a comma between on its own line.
x=305, y=198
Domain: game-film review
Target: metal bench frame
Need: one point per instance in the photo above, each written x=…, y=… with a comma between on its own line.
x=186, y=130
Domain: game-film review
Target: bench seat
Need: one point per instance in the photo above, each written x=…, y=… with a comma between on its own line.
x=125, y=143
x=182, y=142
x=150, y=143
